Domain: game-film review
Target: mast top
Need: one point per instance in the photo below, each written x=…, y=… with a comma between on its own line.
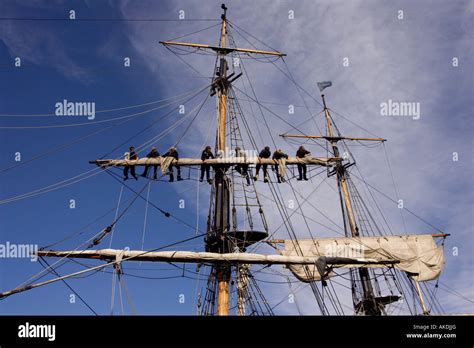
x=324, y=101
x=330, y=137
x=223, y=16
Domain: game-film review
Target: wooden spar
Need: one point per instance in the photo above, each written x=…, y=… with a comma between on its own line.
x=222, y=49
x=203, y=257
x=322, y=161
x=114, y=257
x=440, y=235
x=422, y=300
x=223, y=271
x=283, y=241
x=330, y=138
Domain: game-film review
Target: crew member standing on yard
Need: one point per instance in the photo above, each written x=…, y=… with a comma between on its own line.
x=265, y=153
x=206, y=154
x=301, y=154
x=131, y=155
x=278, y=156
x=153, y=154
x=243, y=168
x=173, y=153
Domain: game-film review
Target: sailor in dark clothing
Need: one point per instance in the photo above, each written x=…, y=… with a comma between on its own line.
x=302, y=153
x=206, y=154
x=172, y=152
x=277, y=155
x=243, y=168
x=265, y=153
x=131, y=155
x=153, y=154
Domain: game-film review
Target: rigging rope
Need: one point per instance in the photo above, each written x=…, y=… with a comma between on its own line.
x=73, y=180
x=96, y=239
x=146, y=214
x=108, y=110
x=130, y=116
x=80, y=139
x=394, y=185
x=41, y=260
x=112, y=297
x=109, y=19
x=92, y=172
x=405, y=208
x=115, y=219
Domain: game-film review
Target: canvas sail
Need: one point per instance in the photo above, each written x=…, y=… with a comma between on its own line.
x=418, y=255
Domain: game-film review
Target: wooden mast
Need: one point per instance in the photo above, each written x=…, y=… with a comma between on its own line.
x=218, y=225
x=223, y=92
x=369, y=303
x=422, y=300
x=368, y=299
x=223, y=271
x=341, y=178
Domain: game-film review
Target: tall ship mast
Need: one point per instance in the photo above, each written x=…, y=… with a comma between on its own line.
x=382, y=270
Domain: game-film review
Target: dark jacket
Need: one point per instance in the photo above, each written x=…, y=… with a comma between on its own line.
x=153, y=154
x=133, y=155
x=279, y=155
x=206, y=155
x=302, y=153
x=174, y=154
x=265, y=154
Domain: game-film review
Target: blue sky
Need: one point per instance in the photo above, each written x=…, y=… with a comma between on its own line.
x=407, y=59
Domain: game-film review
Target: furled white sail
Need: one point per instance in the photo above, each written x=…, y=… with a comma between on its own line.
x=321, y=161
x=418, y=255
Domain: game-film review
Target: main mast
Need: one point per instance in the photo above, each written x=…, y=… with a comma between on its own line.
x=220, y=221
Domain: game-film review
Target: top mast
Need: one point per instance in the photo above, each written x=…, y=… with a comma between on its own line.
x=223, y=91
x=341, y=175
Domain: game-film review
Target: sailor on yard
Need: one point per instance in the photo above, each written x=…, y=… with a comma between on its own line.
x=167, y=163
x=301, y=154
x=280, y=157
x=243, y=168
x=131, y=156
x=153, y=154
x=206, y=154
x=265, y=153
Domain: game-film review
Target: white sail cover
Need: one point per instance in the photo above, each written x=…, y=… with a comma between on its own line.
x=418, y=255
